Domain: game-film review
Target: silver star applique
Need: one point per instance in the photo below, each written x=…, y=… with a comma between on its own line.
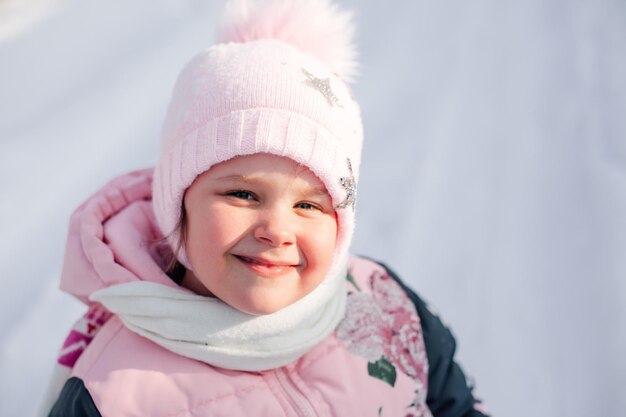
x=349, y=183
x=323, y=86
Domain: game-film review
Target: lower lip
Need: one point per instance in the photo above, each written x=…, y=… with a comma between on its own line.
x=269, y=271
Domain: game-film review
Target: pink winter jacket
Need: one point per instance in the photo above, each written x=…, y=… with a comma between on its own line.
x=113, y=239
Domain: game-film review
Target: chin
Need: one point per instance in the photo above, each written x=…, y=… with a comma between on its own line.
x=263, y=306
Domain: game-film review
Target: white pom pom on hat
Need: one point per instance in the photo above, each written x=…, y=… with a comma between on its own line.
x=276, y=83
x=317, y=27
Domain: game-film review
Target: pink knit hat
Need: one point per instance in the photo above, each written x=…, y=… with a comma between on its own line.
x=276, y=83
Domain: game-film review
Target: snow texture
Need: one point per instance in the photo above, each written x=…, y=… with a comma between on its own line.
x=493, y=180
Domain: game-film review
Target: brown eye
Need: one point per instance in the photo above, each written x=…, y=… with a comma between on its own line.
x=307, y=206
x=242, y=194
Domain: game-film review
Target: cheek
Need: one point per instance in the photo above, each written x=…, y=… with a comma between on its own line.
x=322, y=243
x=213, y=231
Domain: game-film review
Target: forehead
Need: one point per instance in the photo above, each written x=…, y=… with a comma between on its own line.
x=267, y=167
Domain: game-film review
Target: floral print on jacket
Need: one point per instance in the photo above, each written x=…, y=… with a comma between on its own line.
x=382, y=325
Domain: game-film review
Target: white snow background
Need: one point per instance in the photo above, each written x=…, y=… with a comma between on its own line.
x=493, y=176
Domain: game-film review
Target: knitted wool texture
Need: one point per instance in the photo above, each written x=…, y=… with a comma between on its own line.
x=260, y=96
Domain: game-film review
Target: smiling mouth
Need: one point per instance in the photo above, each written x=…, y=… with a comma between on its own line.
x=266, y=268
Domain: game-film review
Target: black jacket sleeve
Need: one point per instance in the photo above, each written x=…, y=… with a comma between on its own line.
x=74, y=401
x=449, y=394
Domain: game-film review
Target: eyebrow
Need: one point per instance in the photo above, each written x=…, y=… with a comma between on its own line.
x=255, y=180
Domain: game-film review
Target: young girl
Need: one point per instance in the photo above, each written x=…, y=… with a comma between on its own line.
x=220, y=283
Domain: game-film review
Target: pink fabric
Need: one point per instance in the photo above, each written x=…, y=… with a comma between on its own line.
x=253, y=93
x=128, y=375
x=91, y=262
x=113, y=239
x=313, y=26
x=82, y=334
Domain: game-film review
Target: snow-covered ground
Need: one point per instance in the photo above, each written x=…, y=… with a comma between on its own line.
x=493, y=178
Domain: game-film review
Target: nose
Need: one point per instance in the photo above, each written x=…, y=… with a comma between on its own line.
x=275, y=229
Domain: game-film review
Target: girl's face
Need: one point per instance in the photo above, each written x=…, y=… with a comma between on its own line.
x=261, y=232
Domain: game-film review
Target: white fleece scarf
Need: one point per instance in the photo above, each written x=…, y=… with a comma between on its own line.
x=213, y=332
